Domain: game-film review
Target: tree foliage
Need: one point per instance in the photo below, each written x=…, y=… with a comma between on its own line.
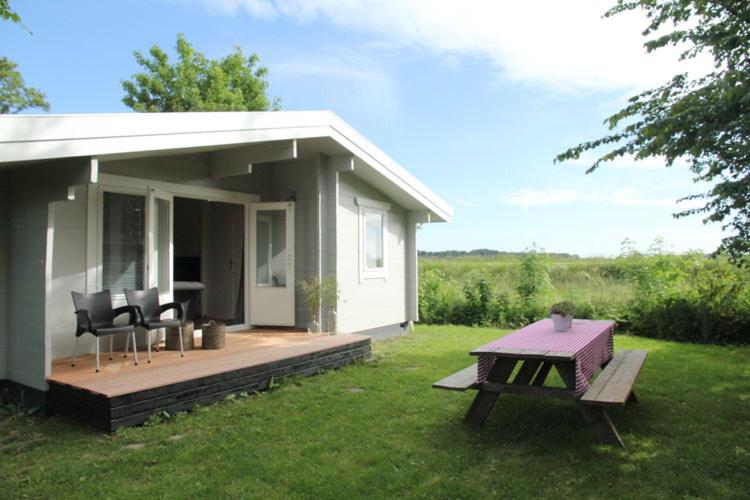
x=8, y=14
x=703, y=119
x=196, y=83
x=15, y=96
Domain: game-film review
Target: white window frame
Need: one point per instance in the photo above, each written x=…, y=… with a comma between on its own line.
x=377, y=207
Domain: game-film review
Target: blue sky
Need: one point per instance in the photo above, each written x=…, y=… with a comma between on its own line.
x=475, y=98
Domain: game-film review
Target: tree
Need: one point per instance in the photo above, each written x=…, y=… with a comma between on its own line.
x=196, y=83
x=15, y=96
x=8, y=14
x=704, y=120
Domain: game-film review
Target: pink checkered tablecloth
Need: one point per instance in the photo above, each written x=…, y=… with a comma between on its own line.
x=590, y=340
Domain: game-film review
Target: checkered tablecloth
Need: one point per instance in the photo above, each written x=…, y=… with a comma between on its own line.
x=590, y=340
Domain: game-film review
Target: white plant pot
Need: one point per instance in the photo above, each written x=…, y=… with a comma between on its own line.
x=562, y=323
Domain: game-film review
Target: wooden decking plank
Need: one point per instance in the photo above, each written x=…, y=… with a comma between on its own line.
x=121, y=377
x=459, y=381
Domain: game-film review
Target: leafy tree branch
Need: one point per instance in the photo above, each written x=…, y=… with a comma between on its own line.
x=196, y=83
x=704, y=120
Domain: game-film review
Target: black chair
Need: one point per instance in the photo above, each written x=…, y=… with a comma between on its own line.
x=95, y=315
x=146, y=303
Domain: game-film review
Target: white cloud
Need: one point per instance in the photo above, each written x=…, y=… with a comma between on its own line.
x=565, y=45
x=450, y=62
x=529, y=197
x=365, y=81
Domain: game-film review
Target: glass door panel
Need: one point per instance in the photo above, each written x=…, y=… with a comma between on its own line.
x=271, y=254
x=160, y=241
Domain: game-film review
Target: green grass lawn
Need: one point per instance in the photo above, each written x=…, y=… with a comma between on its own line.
x=379, y=430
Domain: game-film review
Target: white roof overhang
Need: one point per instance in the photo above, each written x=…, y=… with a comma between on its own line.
x=34, y=138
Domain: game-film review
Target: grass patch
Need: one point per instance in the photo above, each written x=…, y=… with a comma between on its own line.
x=378, y=430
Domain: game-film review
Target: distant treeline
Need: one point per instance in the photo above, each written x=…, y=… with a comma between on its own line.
x=484, y=252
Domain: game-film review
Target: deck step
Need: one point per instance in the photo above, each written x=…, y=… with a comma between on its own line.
x=615, y=383
x=459, y=381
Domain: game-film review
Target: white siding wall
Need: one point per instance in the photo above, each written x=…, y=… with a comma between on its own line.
x=374, y=302
x=68, y=274
x=329, y=186
x=31, y=191
x=299, y=179
x=3, y=275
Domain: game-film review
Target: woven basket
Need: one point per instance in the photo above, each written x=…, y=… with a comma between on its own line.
x=213, y=335
x=172, y=339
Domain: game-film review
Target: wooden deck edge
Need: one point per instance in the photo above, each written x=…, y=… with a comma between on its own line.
x=111, y=413
x=244, y=378
x=230, y=374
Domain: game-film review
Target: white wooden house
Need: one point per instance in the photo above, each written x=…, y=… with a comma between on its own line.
x=225, y=209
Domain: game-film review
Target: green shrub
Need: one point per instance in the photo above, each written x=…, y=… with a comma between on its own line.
x=682, y=297
x=689, y=298
x=533, y=277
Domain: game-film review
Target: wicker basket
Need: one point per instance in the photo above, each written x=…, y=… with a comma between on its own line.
x=172, y=339
x=213, y=335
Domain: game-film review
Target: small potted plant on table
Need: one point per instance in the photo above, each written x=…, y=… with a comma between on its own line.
x=562, y=315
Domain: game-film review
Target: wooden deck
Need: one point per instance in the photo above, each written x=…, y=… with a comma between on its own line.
x=124, y=395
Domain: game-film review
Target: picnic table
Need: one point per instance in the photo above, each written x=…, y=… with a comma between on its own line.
x=520, y=363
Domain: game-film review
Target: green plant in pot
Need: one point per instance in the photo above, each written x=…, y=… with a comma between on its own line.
x=317, y=294
x=562, y=315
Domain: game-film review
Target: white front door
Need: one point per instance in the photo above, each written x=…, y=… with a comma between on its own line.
x=272, y=264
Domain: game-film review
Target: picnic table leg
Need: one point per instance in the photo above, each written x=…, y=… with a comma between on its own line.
x=602, y=426
x=480, y=408
x=485, y=400
x=542, y=374
x=632, y=398
x=567, y=371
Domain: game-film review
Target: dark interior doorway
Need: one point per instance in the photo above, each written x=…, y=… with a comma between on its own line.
x=209, y=260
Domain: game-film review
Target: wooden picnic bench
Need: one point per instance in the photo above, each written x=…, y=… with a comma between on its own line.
x=612, y=387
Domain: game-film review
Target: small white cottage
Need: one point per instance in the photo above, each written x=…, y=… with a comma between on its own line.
x=226, y=210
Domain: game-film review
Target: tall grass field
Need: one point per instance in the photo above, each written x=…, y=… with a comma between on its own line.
x=689, y=297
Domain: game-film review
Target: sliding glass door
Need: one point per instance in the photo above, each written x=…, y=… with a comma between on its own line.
x=136, y=241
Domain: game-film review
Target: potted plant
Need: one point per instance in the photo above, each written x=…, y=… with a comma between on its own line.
x=562, y=315
x=317, y=293
x=329, y=296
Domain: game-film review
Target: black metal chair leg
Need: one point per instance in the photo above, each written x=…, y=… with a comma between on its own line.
x=182, y=351
x=97, y=354
x=75, y=352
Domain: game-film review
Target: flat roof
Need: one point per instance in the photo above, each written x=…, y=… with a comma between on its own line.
x=33, y=138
